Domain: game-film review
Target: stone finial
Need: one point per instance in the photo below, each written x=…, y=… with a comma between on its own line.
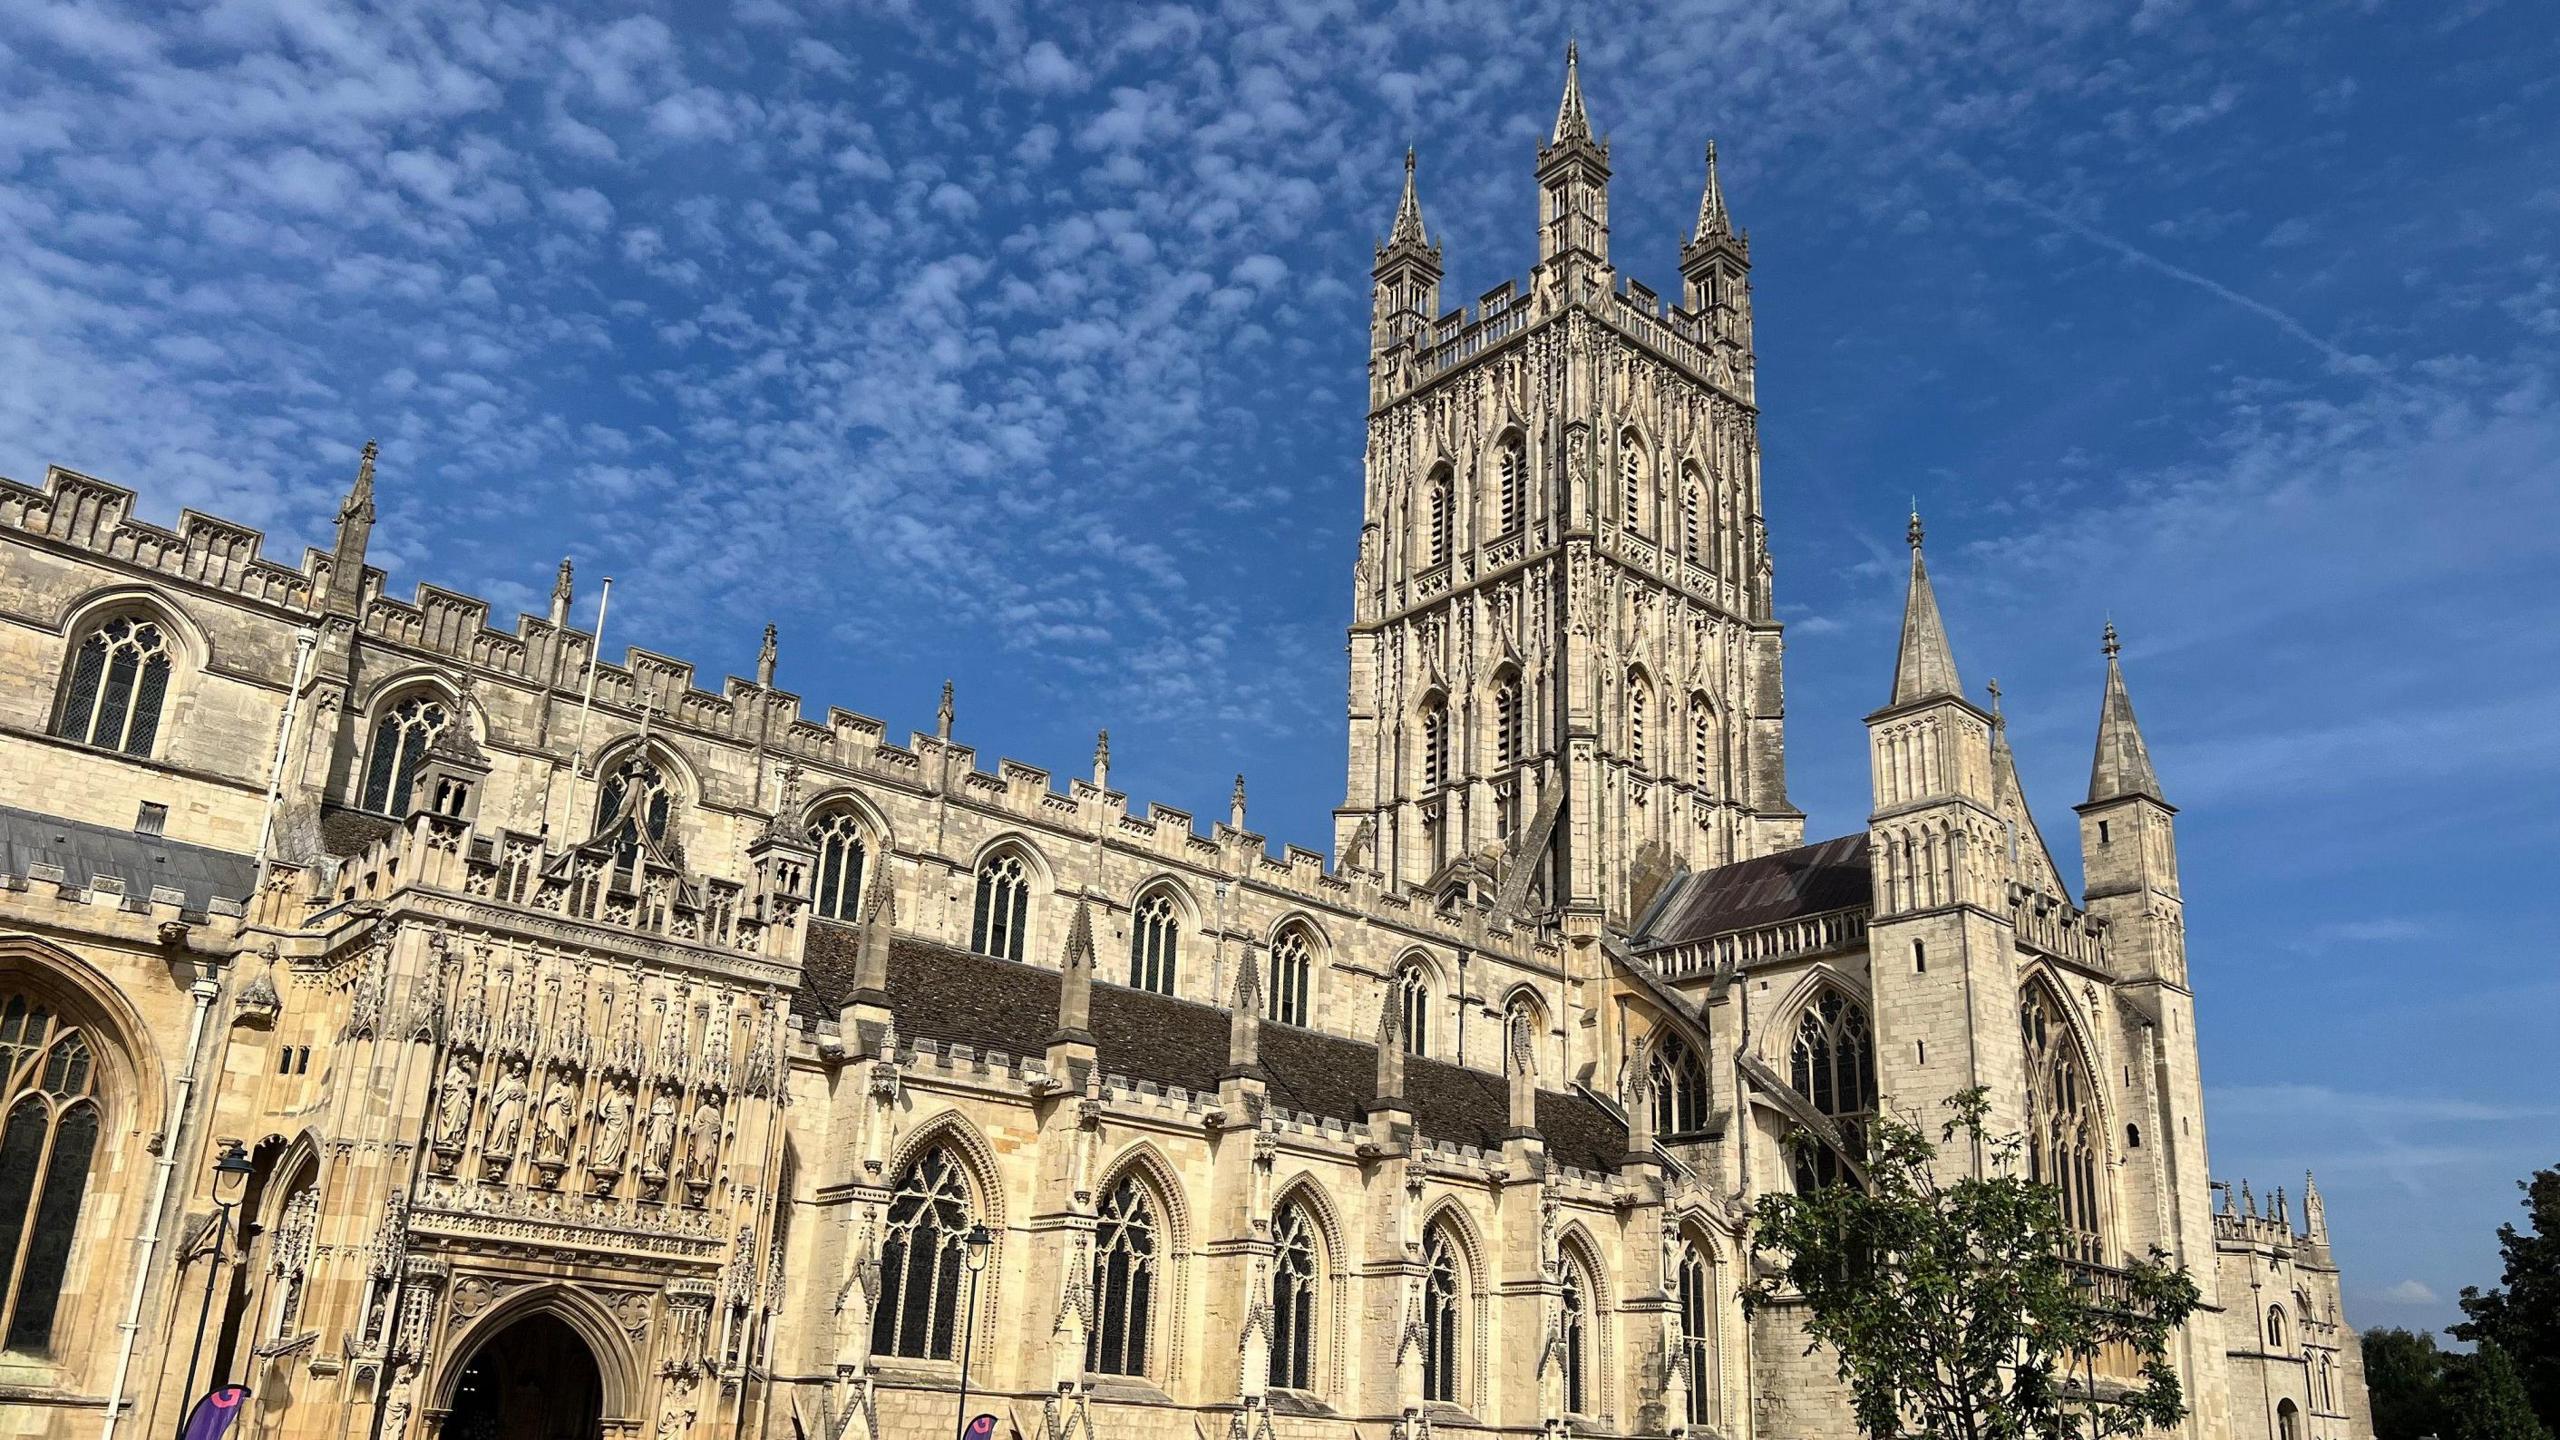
x=765, y=657
x=2122, y=765
x=1101, y=759
x=1522, y=1074
x=1391, y=1042
x=1573, y=123
x=561, y=591
x=1409, y=229
x=879, y=925
x=359, y=502
x=1713, y=220
x=942, y=716
x=1235, y=804
x=1244, y=1020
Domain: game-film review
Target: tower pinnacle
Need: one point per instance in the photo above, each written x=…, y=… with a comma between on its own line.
x=1925, y=669
x=1572, y=121
x=1408, y=227
x=359, y=505
x=2122, y=765
x=1713, y=220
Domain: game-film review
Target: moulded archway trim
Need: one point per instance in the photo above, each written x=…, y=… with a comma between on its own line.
x=1450, y=1210
x=875, y=826
x=951, y=1128
x=1014, y=842
x=1308, y=1193
x=1777, y=1039
x=2110, y=1134
x=136, y=1092
x=195, y=648
x=1161, y=1179
x=617, y=1365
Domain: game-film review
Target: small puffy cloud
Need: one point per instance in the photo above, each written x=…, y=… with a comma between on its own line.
x=2411, y=1292
x=1047, y=69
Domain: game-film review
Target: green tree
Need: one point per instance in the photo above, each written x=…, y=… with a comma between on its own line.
x=2522, y=1314
x=1950, y=1305
x=2404, y=1376
x=2484, y=1398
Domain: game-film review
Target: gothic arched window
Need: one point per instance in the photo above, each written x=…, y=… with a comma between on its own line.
x=1835, y=1068
x=1293, y=968
x=2288, y=1421
x=843, y=855
x=117, y=683
x=1441, y=1294
x=1679, y=1085
x=1437, y=519
x=921, y=1259
x=290, y=1249
x=1126, y=1249
x=1520, y=1030
x=1639, y=700
x=2062, y=1121
x=1573, y=1328
x=1413, y=994
x=1706, y=752
x=1693, y=518
x=1698, y=1314
x=1511, y=482
x=1631, y=473
x=636, y=800
x=1004, y=898
x=1155, y=935
x=1435, y=745
x=1293, y=1298
x=49, y=1125
x=1506, y=720
x=400, y=741
x=2275, y=1329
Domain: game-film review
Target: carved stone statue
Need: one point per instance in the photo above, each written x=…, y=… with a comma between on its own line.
x=553, y=1123
x=613, y=1131
x=702, y=1144
x=506, y=1112
x=658, y=1138
x=453, y=1106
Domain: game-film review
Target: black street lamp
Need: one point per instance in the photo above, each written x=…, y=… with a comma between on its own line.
x=231, y=1171
x=981, y=1240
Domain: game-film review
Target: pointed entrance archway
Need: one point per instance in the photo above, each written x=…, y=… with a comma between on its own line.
x=534, y=1380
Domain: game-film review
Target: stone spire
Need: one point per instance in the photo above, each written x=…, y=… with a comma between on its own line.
x=359, y=502
x=1573, y=123
x=1408, y=227
x=355, y=531
x=1925, y=668
x=1244, y=1022
x=2122, y=766
x=1391, y=1041
x=1713, y=221
x=1075, y=979
x=879, y=926
x=2315, y=1214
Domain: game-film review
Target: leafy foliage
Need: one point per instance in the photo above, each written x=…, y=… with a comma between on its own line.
x=2404, y=1377
x=2484, y=1399
x=1950, y=1304
x=2521, y=1316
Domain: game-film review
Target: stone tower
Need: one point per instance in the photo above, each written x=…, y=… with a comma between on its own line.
x=1564, y=670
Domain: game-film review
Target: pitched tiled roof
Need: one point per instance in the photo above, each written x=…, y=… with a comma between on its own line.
x=1808, y=880
x=345, y=832
x=143, y=862
x=948, y=995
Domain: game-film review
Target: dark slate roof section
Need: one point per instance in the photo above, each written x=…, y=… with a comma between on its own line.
x=142, y=862
x=948, y=995
x=345, y=832
x=1808, y=880
x=827, y=968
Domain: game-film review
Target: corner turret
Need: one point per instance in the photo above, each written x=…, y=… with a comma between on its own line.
x=1573, y=189
x=2129, y=842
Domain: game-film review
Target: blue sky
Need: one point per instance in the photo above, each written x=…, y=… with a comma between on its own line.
x=1026, y=348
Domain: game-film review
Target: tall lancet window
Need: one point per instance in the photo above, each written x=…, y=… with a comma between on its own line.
x=1155, y=932
x=1438, y=519
x=1631, y=475
x=1835, y=1068
x=400, y=741
x=1573, y=1329
x=920, y=1260
x=116, y=685
x=1506, y=720
x=1693, y=518
x=49, y=1125
x=1706, y=751
x=1679, y=1087
x=1293, y=1298
x=1004, y=900
x=1435, y=745
x=1698, y=1332
x=842, y=856
x=1442, y=1293
x=2062, y=1121
x=1413, y=995
x=1639, y=701
x=1126, y=1251
x=1293, y=966
x=1511, y=481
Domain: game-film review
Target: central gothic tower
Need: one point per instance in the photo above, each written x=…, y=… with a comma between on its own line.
x=1565, y=671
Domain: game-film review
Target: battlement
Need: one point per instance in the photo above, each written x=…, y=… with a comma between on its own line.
x=2059, y=928
x=81, y=512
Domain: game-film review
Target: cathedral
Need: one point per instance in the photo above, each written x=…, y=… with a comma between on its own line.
x=448, y=1032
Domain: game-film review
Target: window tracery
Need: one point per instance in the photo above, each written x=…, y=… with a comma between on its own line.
x=636, y=801
x=843, y=856
x=1437, y=520
x=2062, y=1121
x=1435, y=745
x=116, y=684
x=1511, y=469
x=1835, y=1069
x=1573, y=1329
x=1125, y=1255
x=1004, y=899
x=1413, y=994
x=1293, y=1298
x=1293, y=967
x=1441, y=1293
x=1678, y=1081
x=1155, y=939
x=1698, y=1332
x=400, y=740
x=49, y=1127
x=922, y=1259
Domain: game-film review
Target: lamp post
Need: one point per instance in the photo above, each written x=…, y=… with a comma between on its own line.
x=980, y=1241
x=231, y=1171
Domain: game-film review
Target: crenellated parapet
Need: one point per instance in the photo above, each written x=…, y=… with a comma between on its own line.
x=83, y=513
